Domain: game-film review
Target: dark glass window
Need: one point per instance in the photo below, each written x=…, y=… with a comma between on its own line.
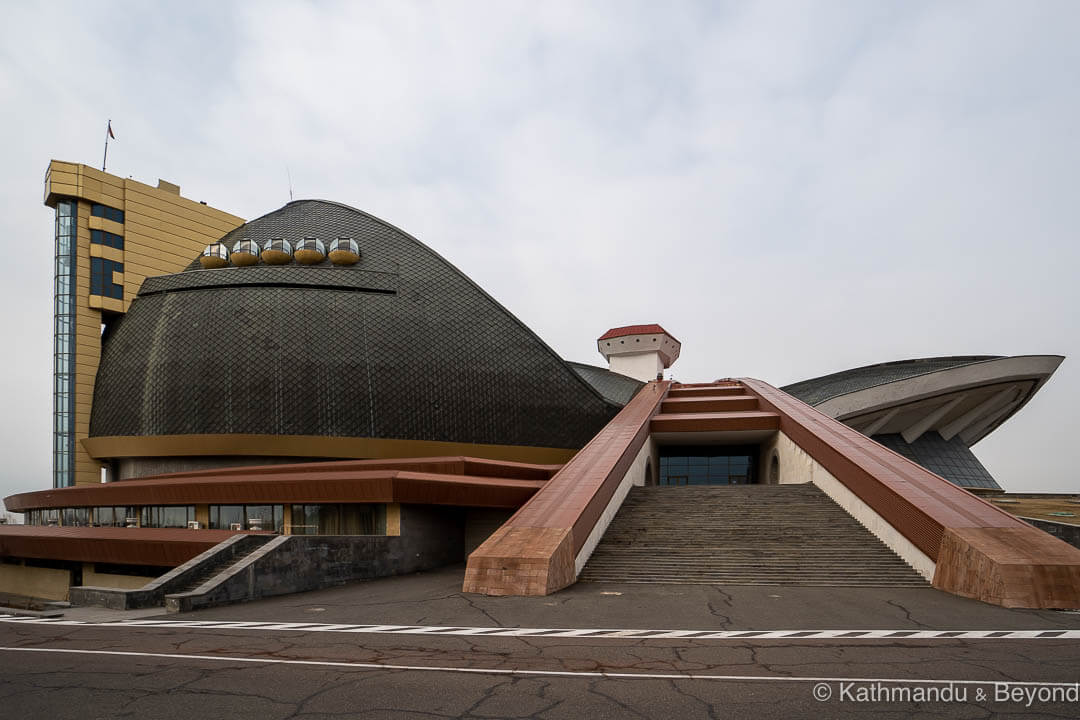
x=247, y=517
x=75, y=517
x=264, y=517
x=101, y=237
x=347, y=519
x=64, y=346
x=101, y=278
x=951, y=459
x=705, y=465
x=109, y=213
x=227, y=517
x=118, y=516
x=43, y=517
x=167, y=516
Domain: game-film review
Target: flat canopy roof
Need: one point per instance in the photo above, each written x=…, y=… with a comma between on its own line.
x=458, y=481
x=159, y=547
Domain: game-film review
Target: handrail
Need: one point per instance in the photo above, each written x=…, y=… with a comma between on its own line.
x=980, y=550
x=534, y=552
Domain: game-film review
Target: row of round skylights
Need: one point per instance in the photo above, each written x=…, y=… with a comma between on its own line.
x=279, y=251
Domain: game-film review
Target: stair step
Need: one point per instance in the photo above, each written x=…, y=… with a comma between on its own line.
x=715, y=422
x=709, y=404
x=711, y=390
x=742, y=535
x=213, y=571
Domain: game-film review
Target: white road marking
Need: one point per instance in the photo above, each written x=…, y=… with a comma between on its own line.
x=549, y=673
x=582, y=633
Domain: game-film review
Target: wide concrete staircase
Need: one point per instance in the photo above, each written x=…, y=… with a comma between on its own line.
x=742, y=535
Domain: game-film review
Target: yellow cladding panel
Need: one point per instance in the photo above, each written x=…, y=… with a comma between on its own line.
x=88, y=477
x=85, y=463
x=160, y=260
x=175, y=240
x=90, y=184
x=90, y=330
x=85, y=370
x=176, y=210
x=88, y=366
x=184, y=238
x=101, y=176
x=64, y=189
x=393, y=519
x=178, y=205
x=88, y=321
x=39, y=582
x=63, y=177
x=61, y=166
x=109, y=253
x=99, y=223
x=108, y=303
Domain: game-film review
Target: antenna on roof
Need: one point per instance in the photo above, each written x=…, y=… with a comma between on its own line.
x=290, y=182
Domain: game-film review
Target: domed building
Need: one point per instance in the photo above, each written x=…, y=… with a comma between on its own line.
x=315, y=396
x=389, y=351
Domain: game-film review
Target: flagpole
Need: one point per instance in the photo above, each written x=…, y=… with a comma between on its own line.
x=107, y=128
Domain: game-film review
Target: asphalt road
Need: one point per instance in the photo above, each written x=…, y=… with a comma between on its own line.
x=111, y=668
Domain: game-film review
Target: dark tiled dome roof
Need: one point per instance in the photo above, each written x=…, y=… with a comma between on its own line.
x=399, y=345
x=617, y=388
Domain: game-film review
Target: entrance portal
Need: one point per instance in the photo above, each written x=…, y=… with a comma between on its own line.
x=708, y=465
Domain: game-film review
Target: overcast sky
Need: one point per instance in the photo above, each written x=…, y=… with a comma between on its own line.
x=791, y=189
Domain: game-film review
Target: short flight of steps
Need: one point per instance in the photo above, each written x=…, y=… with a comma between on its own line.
x=220, y=565
x=742, y=535
x=712, y=408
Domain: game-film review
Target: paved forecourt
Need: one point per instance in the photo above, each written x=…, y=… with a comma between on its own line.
x=406, y=647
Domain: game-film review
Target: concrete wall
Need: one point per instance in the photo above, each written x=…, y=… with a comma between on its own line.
x=36, y=582
x=431, y=537
x=640, y=366
x=796, y=466
x=480, y=523
x=636, y=475
x=113, y=580
x=1062, y=531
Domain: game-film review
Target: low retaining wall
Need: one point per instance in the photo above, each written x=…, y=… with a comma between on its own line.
x=431, y=537
x=153, y=593
x=1062, y=531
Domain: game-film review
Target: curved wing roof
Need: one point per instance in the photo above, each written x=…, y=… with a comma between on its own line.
x=820, y=389
x=964, y=397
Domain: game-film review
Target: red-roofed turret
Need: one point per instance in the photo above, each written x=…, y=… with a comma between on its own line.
x=639, y=351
